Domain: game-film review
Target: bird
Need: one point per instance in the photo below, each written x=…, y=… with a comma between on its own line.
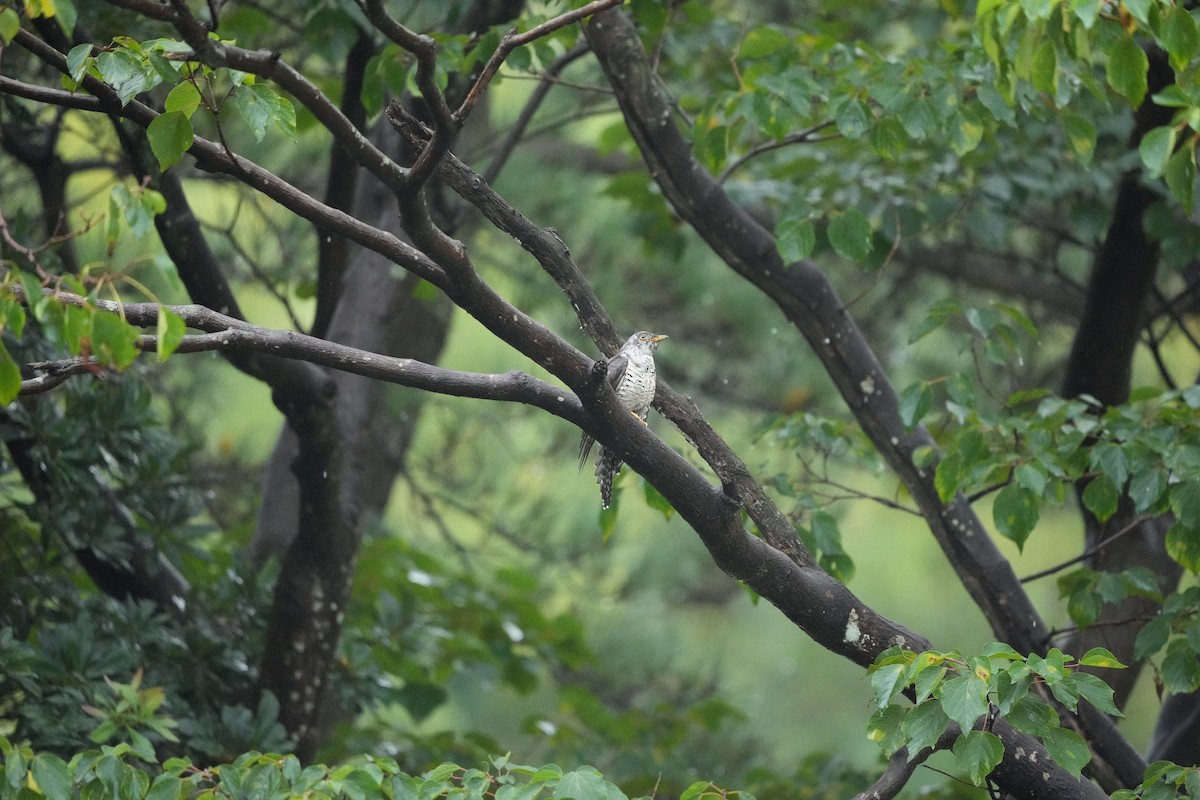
x=631, y=374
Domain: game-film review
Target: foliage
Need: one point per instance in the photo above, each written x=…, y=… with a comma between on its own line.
x=871, y=140
x=963, y=689
x=122, y=772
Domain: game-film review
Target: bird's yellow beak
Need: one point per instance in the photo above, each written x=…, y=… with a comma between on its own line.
x=658, y=337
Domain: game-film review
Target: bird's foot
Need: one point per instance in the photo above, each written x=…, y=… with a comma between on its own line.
x=640, y=418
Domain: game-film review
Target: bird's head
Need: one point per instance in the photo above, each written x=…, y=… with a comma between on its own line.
x=646, y=340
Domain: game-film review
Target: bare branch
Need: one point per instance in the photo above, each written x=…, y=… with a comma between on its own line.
x=444, y=123
x=517, y=130
x=806, y=136
x=214, y=157
x=270, y=65
x=512, y=40
x=900, y=768
x=228, y=333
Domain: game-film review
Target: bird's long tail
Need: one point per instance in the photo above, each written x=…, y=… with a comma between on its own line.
x=607, y=467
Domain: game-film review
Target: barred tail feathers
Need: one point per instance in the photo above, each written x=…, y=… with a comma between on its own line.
x=607, y=467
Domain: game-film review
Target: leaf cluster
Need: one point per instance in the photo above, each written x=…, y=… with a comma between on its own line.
x=120, y=772
x=972, y=691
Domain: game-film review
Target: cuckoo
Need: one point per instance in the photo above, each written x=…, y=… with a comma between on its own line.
x=631, y=374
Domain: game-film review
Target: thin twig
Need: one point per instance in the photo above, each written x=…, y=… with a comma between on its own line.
x=806, y=136
x=1109, y=623
x=1086, y=554
x=512, y=40
x=517, y=130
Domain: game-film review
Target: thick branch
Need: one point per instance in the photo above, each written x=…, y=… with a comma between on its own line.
x=215, y=158
x=554, y=257
x=806, y=297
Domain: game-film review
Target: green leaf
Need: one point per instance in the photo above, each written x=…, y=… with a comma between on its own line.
x=78, y=61
x=170, y=330
x=165, y=787
x=52, y=775
x=762, y=41
x=1032, y=477
x=113, y=340
x=1037, y=9
x=1152, y=637
x=850, y=234
x=1183, y=545
x=10, y=376
x=1015, y=511
x=584, y=783
x=1180, y=175
x=1032, y=715
x=1156, y=148
x=1068, y=750
x=1110, y=459
x=924, y=725
x=885, y=728
x=1179, y=37
x=966, y=131
x=656, y=500
x=1096, y=692
x=66, y=15
x=442, y=772
x=1139, y=10
x=964, y=699
x=927, y=681
x=711, y=143
x=1145, y=488
x=915, y=402
x=885, y=683
x=1185, y=503
x=1126, y=70
x=888, y=138
x=1100, y=497
x=1081, y=137
x=918, y=118
x=126, y=73
x=948, y=476
x=170, y=136
x=995, y=103
x=10, y=23
x=1100, y=657
x=1044, y=74
x=260, y=107
x=852, y=119
x=977, y=753
x=184, y=98
x=795, y=239
x=523, y=791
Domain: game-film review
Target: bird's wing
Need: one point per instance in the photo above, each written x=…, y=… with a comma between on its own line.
x=617, y=366
x=616, y=371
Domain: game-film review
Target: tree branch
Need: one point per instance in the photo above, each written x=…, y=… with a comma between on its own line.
x=444, y=124
x=512, y=40
x=215, y=158
x=270, y=65
x=807, y=299
x=521, y=124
